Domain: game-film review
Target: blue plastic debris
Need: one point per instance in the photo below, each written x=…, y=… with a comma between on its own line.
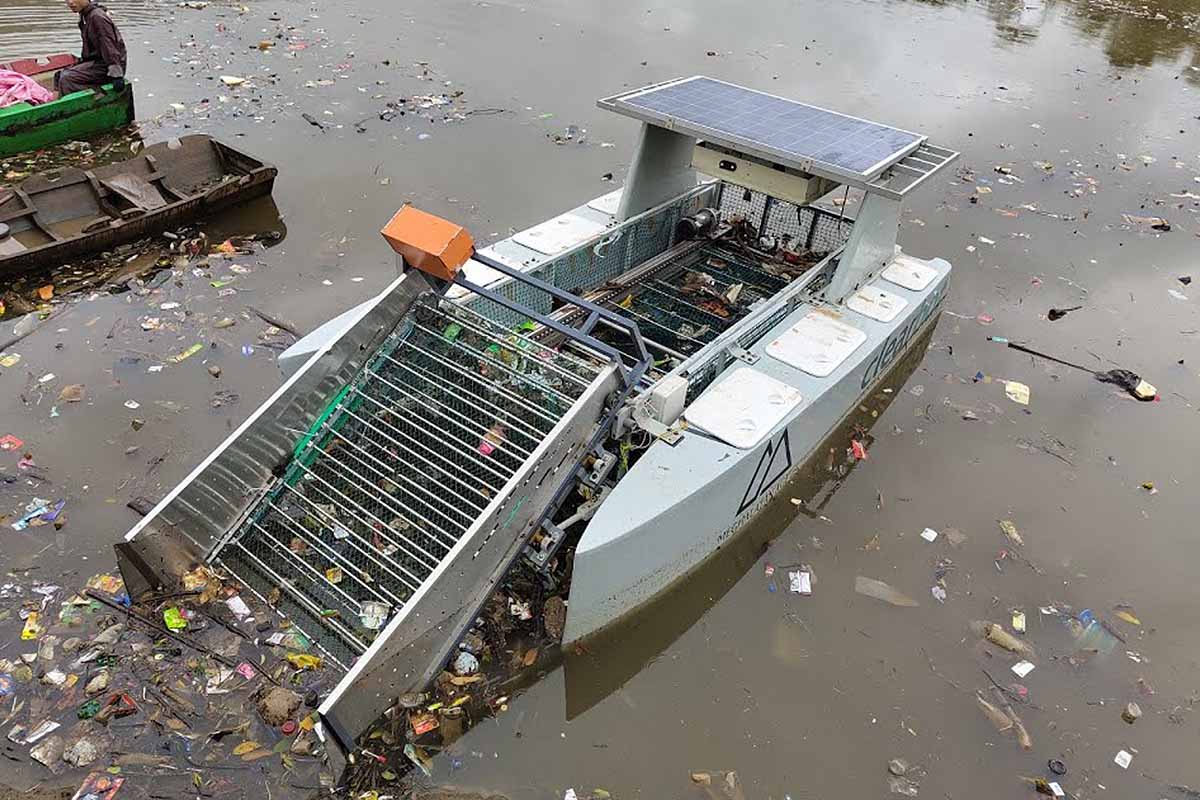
x=32, y=511
x=55, y=510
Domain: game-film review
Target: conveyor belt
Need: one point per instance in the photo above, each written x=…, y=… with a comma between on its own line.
x=398, y=469
x=684, y=304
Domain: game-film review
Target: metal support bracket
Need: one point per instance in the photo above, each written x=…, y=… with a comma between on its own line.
x=872, y=244
x=742, y=354
x=605, y=461
x=541, y=553
x=672, y=435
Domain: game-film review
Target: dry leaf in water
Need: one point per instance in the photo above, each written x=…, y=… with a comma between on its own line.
x=72, y=393
x=246, y=747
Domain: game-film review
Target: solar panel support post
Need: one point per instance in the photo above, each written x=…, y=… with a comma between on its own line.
x=871, y=245
x=661, y=169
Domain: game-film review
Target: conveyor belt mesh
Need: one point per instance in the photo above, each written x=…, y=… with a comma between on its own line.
x=685, y=305
x=398, y=468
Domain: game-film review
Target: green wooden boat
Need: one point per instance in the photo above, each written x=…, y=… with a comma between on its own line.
x=26, y=127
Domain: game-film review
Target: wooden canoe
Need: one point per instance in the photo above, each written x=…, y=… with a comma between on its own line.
x=26, y=127
x=58, y=216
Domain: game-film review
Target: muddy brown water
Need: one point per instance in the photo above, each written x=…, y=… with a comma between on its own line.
x=1092, y=107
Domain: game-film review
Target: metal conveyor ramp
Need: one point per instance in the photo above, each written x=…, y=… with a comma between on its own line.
x=400, y=470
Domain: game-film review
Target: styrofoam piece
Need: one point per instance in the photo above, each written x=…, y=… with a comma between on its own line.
x=878, y=304
x=1022, y=668
x=817, y=344
x=557, y=235
x=744, y=407
x=910, y=273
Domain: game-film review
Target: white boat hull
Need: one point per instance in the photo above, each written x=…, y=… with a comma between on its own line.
x=679, y=504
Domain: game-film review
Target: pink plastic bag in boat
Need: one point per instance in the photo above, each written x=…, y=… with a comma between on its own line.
x=18, y=88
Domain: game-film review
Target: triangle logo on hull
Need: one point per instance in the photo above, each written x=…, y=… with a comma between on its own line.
x=774, y=463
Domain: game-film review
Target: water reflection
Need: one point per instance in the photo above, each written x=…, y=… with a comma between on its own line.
x=1130, y=36
x=1018, y=20
x=1159, y=30
x=43, y=27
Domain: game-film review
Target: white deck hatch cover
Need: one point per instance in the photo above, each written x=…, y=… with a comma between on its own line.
x=817, y=344
x=559, y=234
x=744, y=407
x=607, y=203
x=909, y=273
x=878, y=304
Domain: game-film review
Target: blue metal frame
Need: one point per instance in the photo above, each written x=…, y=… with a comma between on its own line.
x=630, y=376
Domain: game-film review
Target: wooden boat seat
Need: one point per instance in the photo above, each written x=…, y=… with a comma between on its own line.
x=136, y=190
x=9, y=246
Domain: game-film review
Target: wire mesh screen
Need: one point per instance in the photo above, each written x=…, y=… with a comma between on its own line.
x=806, y=228
x=701, y=376
x=399, y=468
x=738, y=201
x=595, y=262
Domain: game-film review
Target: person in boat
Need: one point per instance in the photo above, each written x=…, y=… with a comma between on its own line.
x=103, y=58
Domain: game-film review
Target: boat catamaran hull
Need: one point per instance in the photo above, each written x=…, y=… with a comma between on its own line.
x=678, y=504
x=617, y=390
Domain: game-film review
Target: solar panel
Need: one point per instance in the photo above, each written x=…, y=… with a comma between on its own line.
x=744, y=119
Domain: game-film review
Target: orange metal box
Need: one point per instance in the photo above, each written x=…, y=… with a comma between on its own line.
x=429, y=243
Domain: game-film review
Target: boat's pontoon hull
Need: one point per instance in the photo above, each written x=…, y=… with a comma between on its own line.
x=680, y=502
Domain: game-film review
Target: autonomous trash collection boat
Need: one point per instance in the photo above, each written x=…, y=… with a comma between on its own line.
x=607, y=396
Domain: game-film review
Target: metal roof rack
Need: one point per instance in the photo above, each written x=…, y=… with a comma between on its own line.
x=911, y=171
